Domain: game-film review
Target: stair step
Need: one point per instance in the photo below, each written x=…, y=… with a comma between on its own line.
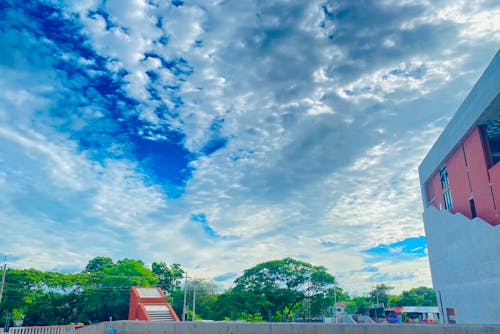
x=160, y=315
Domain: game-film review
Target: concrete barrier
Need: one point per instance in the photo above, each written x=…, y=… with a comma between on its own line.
x=143, y=327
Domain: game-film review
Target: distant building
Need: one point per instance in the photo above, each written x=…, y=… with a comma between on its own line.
x=421, y=314
x=460, y=183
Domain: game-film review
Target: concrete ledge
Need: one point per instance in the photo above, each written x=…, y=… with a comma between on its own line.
x=143, y=327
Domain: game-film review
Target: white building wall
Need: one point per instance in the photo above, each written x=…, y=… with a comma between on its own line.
x=464, y=256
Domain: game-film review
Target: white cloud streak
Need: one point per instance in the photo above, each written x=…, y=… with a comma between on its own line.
x=326, y=117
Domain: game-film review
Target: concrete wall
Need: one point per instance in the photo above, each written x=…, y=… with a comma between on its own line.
x=139, y=327
x=465, y=265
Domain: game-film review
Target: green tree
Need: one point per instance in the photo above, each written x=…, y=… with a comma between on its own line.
x=43, y=298
x=380, y=294
x=109, y=294
x=206, y=299
x=280, y=285
x=169, y=277
x=98, y=265
x=421, y=296
x=100, y=291
x=358, y=305
x=393, y=300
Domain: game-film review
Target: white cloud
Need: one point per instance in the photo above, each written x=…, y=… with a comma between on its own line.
x=325, y=122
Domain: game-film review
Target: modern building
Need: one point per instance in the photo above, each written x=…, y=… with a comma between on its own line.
x=460, y=183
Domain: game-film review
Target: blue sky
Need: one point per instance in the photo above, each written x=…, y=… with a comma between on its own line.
x=220, y=134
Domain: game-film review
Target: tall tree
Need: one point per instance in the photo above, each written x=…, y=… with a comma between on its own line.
x=358, y=305
x=98, y=264
x=380, y=294
x=280, y=285
x=109, y=296
x=421, y=296
x=42, y=298
x=169, y=277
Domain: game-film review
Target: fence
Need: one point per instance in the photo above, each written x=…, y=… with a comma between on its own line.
x=43, y=330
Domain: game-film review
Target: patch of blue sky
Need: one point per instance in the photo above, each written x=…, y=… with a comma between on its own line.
x=327, y=244
x=416, y=73
x=177, y=3
x=399, y=251
x=8, y=257
x=89, y=84
x=335, y=245
x=217, y=141
x=224, y=277
x=54, y=26
x=165, y=161
x=386, y=277
x=362, y=90
x=201, y=219
x=214, y=145
x=179, y=66
x=163, y=40
x=109, y=24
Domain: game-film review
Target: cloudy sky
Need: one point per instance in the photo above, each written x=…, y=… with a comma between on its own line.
x=222, y=133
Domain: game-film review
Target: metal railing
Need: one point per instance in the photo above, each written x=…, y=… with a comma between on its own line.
x=43, y=330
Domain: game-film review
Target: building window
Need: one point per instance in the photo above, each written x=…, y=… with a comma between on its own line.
x=448, y=203
x=472, y=208
x=443, y=173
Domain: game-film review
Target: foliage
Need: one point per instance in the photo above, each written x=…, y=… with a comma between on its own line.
x=380, y=294
x=359, y=305
x=278, y=290
x=206, y=299
x=98, y=264
x=100, y=291
x=280, y=284
x=421, y=296
x=170, y=277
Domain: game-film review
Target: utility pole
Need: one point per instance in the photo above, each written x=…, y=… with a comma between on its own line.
x=184, y=309
x=335, y=302
x=194, y=301
x=4, y=271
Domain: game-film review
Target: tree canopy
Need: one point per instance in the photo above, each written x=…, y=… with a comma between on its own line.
x=279, y=285
x=97, y=293
x=380, y=294
x=421, y=296
x=170, y=276
x=274, y=290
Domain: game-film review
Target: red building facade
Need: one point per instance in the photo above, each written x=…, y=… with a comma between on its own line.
x=468, y=181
